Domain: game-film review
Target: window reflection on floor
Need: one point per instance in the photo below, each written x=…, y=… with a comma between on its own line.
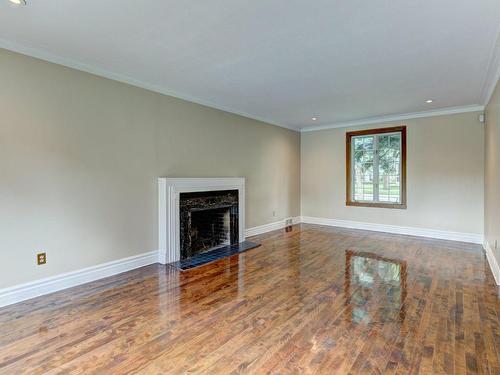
x=375, y=288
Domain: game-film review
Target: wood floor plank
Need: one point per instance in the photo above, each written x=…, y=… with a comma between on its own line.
x=316, y=300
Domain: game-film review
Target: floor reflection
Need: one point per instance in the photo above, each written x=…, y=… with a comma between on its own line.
x=375, y=288
x=298, y=304
x=225, y=283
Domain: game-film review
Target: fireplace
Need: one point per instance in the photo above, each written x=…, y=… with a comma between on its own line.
x=197, y=214
x=208, y=220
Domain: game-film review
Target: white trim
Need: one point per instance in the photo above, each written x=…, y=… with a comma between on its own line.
x=491, y=79
x=397, y=117
x=169, y=190
x=56, y=283
x=488, y=87
x=52, y=284
x=493, y=72
x=411, y=231
x=261, y=229
x=95, y=70
x=492, y=261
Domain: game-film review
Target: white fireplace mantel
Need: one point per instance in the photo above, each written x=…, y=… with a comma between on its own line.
x=169, y=221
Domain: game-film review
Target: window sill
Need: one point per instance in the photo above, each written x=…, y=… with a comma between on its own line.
x=401, y=206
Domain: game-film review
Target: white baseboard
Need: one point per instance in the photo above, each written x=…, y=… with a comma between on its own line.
x=18, y=293
x=52, y=284
x=411, y=231
x=495, y=268
x=261, y=229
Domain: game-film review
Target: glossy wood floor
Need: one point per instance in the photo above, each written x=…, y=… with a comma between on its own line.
x=315, y=300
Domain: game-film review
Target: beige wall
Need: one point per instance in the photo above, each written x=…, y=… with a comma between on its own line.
x=492, y=173
x=80, y=156
x=445, y=175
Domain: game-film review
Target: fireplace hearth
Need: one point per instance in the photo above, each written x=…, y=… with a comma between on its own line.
x=208, y=220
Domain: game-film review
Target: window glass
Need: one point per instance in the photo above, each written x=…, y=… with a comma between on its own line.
x=376, y=168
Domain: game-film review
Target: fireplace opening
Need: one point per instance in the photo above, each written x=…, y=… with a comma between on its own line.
x=210, y=228
x=208, y=220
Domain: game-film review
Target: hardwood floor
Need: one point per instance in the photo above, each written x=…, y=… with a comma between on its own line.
x=314, y=300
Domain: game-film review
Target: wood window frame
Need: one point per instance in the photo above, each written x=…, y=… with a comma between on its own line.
x=349, y=135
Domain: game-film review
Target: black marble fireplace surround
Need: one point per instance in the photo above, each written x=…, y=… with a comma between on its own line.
x=208, y=220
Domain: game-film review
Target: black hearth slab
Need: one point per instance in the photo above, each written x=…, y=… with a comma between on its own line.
x=213, y=255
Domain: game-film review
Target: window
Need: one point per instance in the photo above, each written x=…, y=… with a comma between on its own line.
x=376, y=167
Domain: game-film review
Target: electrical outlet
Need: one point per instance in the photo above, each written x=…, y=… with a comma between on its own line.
x=41, y=258
x=496, y=244
x=274, y=213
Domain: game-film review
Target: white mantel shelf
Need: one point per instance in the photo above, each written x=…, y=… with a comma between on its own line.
x=169, y=190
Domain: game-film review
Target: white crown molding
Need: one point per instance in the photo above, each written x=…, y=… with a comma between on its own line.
x=493, y=72
x=396, y=229
x=492, y=261
x=488, y=87
x=70, y=63
x=398, y=117
x=261, y=229
x=18, y=293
